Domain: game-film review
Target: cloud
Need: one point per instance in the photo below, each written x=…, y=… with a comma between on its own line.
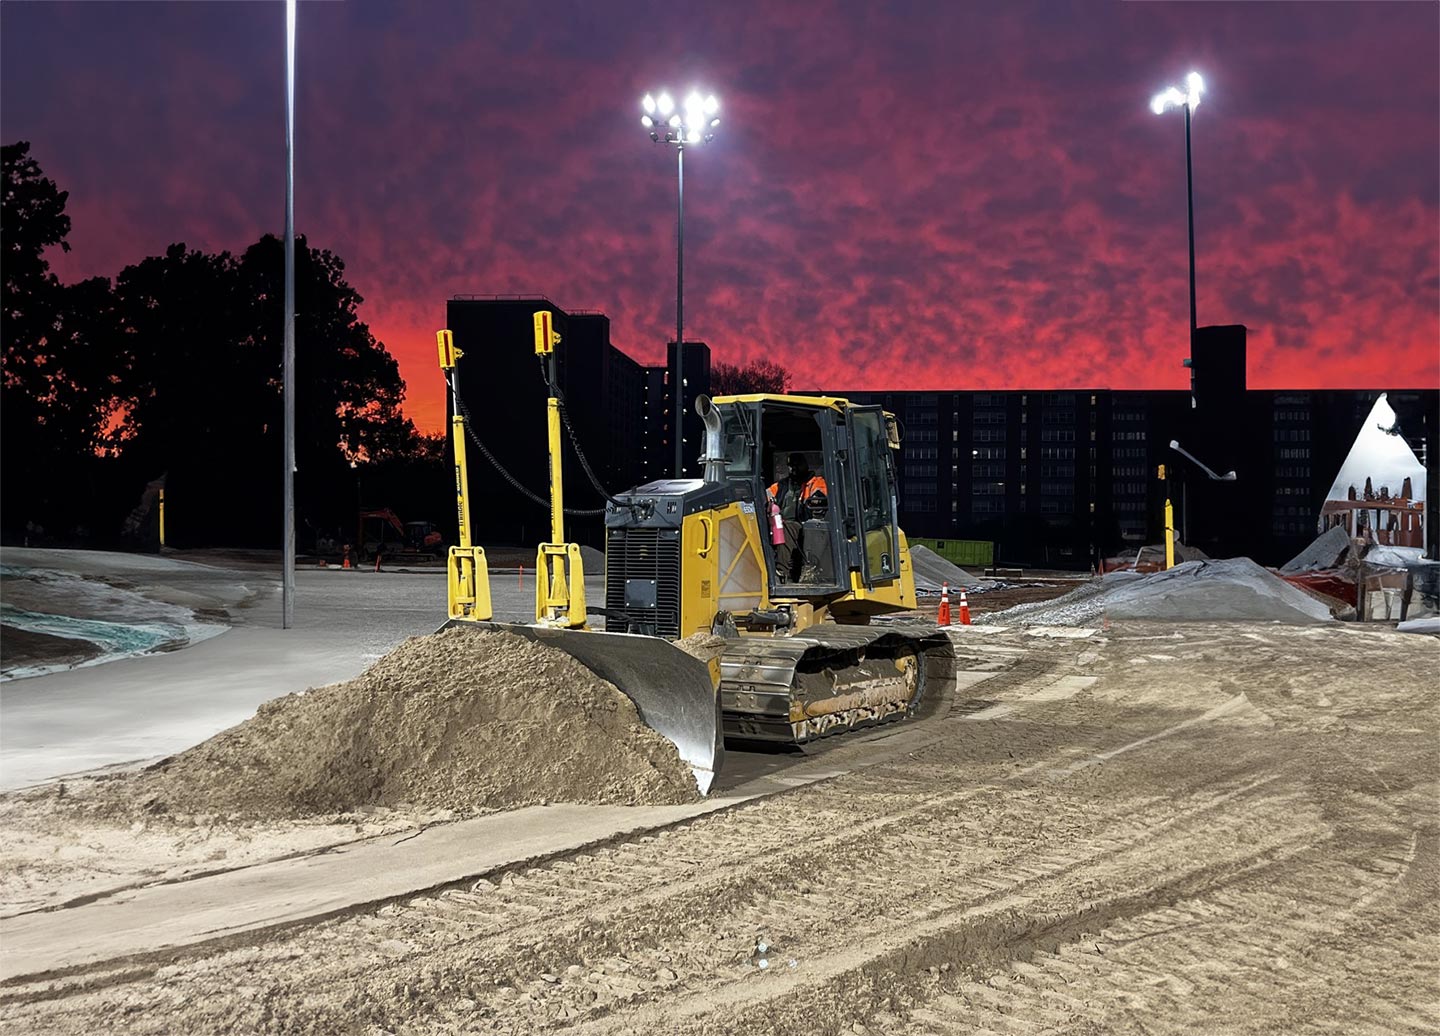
x=907, y=196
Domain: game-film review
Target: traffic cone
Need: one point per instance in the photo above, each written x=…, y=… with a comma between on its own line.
x=377, y=561
x=346, y=563
x=943, y=619
x=964, y=608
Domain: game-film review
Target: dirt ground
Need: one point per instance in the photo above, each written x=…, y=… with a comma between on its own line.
x=1155, y=829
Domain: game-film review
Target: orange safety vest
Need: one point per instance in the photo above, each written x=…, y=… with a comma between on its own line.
x=814, y=485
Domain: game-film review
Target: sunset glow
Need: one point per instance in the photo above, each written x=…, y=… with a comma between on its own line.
x=903, y=197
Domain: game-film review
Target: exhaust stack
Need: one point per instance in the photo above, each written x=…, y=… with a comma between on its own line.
x=714, y=459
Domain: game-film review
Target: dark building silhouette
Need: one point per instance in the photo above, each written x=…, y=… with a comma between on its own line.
x=619, y=410
x=1056, y=478
x=1216, y=435
x=659, y=447
x=503, y=388
x=1062, y=478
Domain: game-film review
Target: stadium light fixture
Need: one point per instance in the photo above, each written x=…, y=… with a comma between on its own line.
x=692, y=124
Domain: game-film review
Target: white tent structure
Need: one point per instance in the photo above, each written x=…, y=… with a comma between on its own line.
x=1370, y=490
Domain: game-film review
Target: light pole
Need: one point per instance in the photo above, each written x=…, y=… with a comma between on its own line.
x=287, y=583
x=666, y=125
x=1189, y=99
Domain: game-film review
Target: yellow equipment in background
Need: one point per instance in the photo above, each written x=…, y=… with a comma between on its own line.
x=805, y=604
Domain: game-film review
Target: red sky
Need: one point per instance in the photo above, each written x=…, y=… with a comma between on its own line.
x=901, y=195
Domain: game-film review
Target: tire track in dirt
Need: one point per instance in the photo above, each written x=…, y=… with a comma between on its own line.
x=1027, y=904
x=1267, y=949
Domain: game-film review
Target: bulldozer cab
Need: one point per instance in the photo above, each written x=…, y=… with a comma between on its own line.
x=851, y=524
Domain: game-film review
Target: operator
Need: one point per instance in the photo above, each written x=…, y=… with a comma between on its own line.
x=798, y=495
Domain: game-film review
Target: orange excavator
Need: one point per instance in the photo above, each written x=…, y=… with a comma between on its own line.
x=382, y=532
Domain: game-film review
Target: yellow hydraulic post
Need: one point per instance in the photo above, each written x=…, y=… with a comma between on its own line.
x=1169, y=525
x=468, y=574
x=162, y=516
x=559, y=577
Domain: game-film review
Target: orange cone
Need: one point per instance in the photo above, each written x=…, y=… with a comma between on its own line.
x=346, y=562
x=943, y=619
x=964, y=608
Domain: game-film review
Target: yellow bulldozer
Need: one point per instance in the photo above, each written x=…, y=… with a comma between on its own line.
x=805, y=590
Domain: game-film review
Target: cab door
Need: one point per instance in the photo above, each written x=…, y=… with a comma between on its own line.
x=873, y=491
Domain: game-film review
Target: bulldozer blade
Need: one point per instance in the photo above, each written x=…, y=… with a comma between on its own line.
x=673, y=692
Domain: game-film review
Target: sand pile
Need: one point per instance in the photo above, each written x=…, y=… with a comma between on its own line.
x=1233, y=588
x=459, y=720
x=932, y=571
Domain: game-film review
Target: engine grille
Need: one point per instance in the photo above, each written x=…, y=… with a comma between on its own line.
x=641, y=566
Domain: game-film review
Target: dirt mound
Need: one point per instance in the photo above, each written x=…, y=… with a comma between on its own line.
x=456, y=720
x=1232, y=588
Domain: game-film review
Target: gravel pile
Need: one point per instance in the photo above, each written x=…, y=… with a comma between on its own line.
x=460, y=720
x=1233, y=588
x=932, y=572
x=1325, y=551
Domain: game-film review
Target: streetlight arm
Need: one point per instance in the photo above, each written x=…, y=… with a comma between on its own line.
x=1229, y=476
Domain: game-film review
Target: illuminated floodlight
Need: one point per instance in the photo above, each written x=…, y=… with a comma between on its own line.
x=1188, y=99
x=1174, y=97
x=693, y=122
x=694, y=110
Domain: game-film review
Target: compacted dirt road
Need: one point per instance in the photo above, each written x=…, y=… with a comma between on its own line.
x=1155, y=829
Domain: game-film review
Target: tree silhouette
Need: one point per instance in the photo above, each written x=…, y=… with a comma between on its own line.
x=728, y=379
x=203, y=393
x=176, y=371
x=59, y=360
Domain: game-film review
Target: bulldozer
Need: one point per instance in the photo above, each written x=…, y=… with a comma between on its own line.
x=808, y=604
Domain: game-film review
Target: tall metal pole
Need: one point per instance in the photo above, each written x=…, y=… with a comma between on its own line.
x=288, y=581
x=680, y=313
x=1190, y=199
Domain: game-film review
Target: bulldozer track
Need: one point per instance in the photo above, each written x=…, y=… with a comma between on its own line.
x=983, y=882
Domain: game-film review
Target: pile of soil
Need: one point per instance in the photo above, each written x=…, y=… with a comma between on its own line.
x=704, y=646
x=462, y=719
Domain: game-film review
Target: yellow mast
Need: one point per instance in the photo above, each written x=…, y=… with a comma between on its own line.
x=559, y=577
x=468, y=575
